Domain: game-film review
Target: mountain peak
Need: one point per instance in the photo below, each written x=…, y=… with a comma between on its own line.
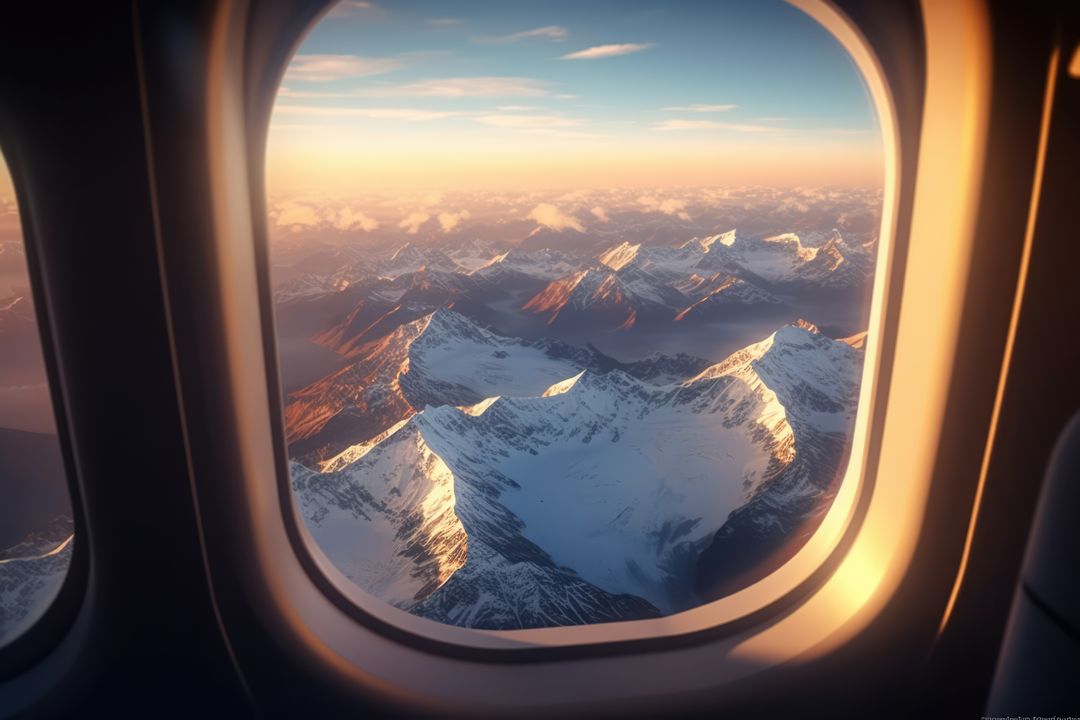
x=444, y=320
x=619, y=256
x=563, y=386
x=794, y=337
x=792, y=242
x=857, y=341
x=807, y=326
x=705, y=244
x=481, y=407
x=725, y=238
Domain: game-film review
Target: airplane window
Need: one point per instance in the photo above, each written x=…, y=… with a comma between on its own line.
x=36, y=529
x=571, y=298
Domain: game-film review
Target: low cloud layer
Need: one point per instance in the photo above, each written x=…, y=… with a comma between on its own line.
x=350, y=219
x=450, y=220
x=411, y=224
x=667, y=206
x=550, y=216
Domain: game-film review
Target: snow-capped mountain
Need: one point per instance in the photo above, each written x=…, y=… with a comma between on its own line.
x=603, y=299
x=598, y=293
x=650, y=289
x=472, y=254
x=439, y=287
x=389, y=522
x=703, y=280
x=308, y=285
x=543, y=264
x=857, y=341
x=816, y=382
x=668, y=262
x=784, y=261
x=838, y=265
x=589, y=500
x=722, y=295
x=31, y=574
x=776, y=260
x=384, y=304
x=440, y=358
x=409, y=258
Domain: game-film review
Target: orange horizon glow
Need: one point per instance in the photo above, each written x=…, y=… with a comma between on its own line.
x=317, y=164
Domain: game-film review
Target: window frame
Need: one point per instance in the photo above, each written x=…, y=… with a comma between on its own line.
x=688, y=627
x=868, y=571
x=46, y=630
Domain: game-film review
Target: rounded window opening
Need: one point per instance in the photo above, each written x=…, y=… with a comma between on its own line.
x=36, y=527
x=571, y=299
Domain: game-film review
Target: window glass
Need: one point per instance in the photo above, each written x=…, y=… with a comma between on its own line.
x=36, y=529
x=571, y=298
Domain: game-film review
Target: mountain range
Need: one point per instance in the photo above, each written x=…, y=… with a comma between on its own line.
x=553, y=432
x=619, y=299
x=512, y=484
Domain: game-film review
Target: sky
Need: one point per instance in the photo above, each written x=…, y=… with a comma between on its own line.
x=497, y=95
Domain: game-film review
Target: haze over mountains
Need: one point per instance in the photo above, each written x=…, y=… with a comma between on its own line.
x=587, y=416
x=607, y=268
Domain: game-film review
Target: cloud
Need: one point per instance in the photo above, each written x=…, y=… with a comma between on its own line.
x=700, y=108
x=448, y=220
x=324, y=68
x=667, y=206
x=600, y=214
x=413, y=222
x=491, y=86
x=549, y=32
x=519, y=108
x=484, y=86
x=603, y=51
x=669, y=125
x=291, y=213
x=522, y=122
x=550, y=216
x=444, y=22
x=406, y=114
x=468, y=87
x=349, y=219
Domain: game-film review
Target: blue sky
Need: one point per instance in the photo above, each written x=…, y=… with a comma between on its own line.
x=602, y=79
